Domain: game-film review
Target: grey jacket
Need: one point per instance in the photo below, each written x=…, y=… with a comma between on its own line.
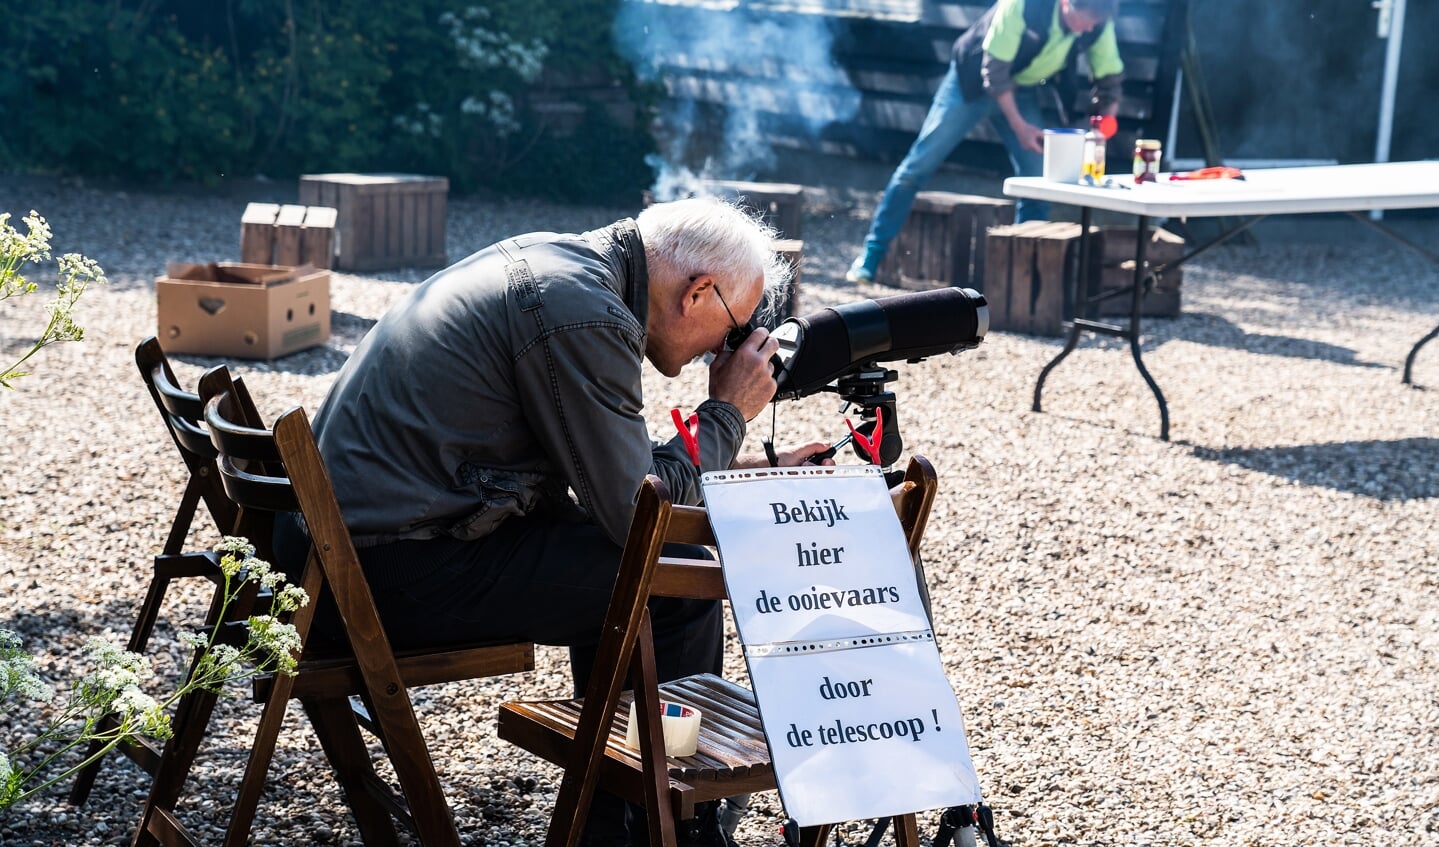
x=509, y=384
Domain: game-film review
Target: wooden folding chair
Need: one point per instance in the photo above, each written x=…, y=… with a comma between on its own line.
x=280, y=470
x=183, y=416
x=587, y=737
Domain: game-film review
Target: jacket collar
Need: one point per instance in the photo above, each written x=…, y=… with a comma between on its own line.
x=622, y=241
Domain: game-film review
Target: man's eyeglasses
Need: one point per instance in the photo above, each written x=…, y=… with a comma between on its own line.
x=736, y=336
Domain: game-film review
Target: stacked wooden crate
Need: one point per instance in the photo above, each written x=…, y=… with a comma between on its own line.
x=943, y=241
x=1117, y=258
x=1025, y=273
x=780, y=204
x=272, y=234
x=384, y=220
x=1028, y=264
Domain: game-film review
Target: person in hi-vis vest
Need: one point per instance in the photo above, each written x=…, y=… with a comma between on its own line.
x=994, y=72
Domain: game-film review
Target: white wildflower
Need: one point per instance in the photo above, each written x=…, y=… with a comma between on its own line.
x=290, y=598
x=239, y=547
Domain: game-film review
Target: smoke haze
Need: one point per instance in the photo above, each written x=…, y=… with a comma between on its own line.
x=730, y=75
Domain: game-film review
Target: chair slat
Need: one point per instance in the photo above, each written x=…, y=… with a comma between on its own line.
x=179, y=403
x=698, y=578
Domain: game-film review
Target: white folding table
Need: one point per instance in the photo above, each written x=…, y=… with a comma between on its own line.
x=1337, y=188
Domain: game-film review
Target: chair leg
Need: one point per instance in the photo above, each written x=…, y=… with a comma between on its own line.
x=85, y=779
x=242, y=816
x=410, y=757
x=815, y=836
x=192, y=719
x=906, y=831
x=345, y=748
x=149, y=613
x=659, y=811
x=139, y=638
x=192, y=716
x=577, y=787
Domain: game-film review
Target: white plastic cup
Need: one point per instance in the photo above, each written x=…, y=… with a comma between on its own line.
x=1063, y=154
x=680, y=725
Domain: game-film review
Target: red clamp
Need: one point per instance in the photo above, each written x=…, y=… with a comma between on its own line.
x=869, y=445
x=690, y=432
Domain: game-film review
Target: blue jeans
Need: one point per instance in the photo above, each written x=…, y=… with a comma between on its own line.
x=949, y=120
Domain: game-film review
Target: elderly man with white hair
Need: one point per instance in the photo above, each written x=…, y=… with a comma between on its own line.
x=486, y=439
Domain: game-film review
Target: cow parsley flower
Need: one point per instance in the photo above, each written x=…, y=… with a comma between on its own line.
x=113, y=687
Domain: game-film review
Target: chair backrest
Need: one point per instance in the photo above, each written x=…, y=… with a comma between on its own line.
x=626, y=654
x=184, y=415
x=913, y=497
x=281, y=470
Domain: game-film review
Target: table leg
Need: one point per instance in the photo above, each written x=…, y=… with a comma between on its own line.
x=1414, y=351
x=1428, y=254
x=1069, y=345
x=1082, y=322
x=1072, y=301
x=1136, y=310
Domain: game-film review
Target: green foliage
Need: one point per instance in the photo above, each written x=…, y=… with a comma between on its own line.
x=176, y=90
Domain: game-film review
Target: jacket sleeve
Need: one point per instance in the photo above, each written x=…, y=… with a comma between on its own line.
x=1105, y=66
x=582, y=395
x=721, y=432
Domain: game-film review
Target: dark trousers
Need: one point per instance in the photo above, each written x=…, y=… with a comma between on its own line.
x=530, y=580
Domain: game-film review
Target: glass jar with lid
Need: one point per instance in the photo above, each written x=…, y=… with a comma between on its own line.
x=1146, y=160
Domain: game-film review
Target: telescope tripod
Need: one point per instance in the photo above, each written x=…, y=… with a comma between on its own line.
x=865, y=387
x=958, y=825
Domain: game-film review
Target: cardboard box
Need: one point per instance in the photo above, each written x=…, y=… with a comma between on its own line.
x=242, y=310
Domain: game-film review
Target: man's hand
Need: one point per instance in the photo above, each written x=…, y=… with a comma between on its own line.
x=1030, y=136
x=792, y=458
x=744, y=377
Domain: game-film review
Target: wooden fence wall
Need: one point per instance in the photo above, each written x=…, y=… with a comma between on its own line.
x=874, y=96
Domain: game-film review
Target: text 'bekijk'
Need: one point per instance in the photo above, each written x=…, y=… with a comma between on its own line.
x=826, y=511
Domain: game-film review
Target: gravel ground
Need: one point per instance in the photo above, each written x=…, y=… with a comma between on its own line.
x=1232, y=635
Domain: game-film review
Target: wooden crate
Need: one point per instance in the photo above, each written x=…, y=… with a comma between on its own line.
x=1117, y=258
x=943, y=241
x=272, y=234
x=1024, y=275
x=780, y=204
x=384, y=220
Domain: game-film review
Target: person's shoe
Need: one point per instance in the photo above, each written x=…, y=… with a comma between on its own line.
x=858, y=272
x=865, y=267
x=703, y=830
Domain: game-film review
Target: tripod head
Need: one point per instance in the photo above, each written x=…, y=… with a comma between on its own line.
x=865, y=387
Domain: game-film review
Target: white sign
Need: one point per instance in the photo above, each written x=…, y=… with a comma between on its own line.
x=859, y=715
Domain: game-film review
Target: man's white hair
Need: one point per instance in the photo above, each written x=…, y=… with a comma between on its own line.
x=707, y=235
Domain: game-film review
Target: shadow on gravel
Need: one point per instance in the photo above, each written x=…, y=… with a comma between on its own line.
x=350, y=328
x=1216, y=331
x=316, y=360
x=1405, y=469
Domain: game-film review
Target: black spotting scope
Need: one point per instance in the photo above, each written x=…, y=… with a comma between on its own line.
x=817, y=349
